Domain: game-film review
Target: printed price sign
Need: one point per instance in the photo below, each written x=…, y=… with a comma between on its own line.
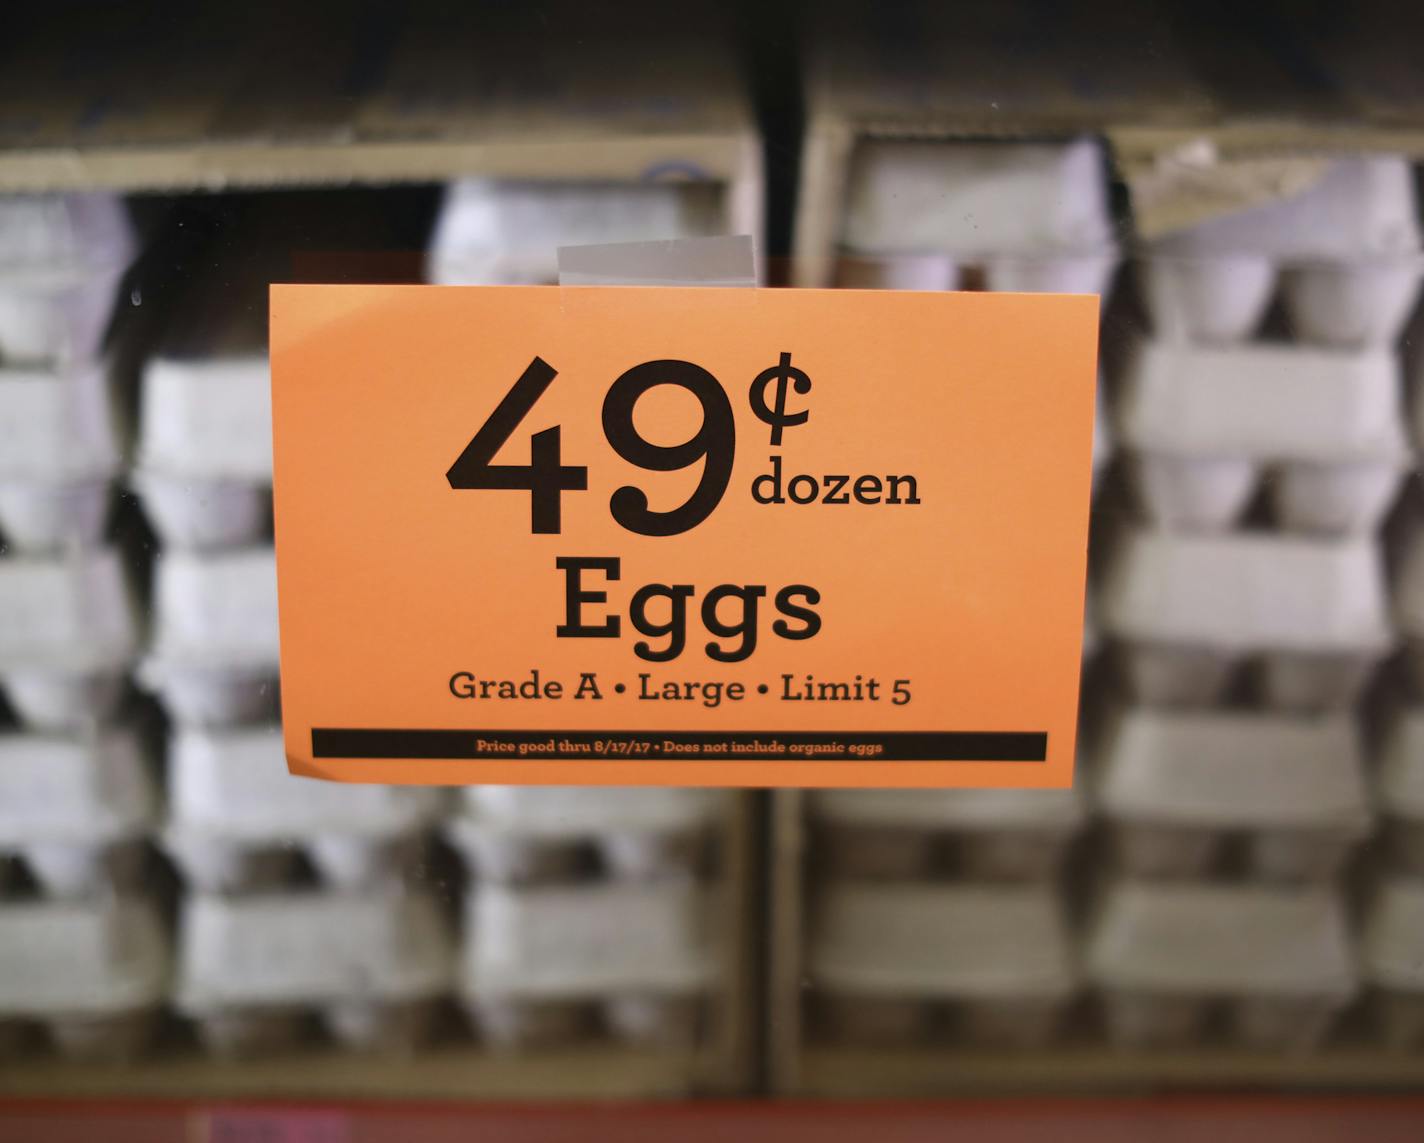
x=681, y=536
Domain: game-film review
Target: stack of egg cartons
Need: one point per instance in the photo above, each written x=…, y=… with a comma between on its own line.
x=300, y=896
x=1227, y=832
x=70, y=628
x=82, y=950
x=366, y=948
x=594, y=910
x=61, y=262
x=1014, y=217
x=1206, y=416
x=937, y=916
x=1262, y=468
x=589, y=910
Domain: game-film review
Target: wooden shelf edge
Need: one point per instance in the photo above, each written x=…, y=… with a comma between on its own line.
x=589, y=1073
x=907, y=1073
x=209, y=165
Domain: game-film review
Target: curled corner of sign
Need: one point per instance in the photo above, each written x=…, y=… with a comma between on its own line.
x=303, y=766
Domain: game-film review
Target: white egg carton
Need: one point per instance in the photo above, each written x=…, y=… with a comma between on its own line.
x=39, y=515
x=238, y=820
x=204, y=467
x=1033, y=216
x=70, y=231
x=881, y=958
x=93, y=972
x=932, y=272
x=1400, y=783
x=252, y=970
x=1345, y=254
x=1177, y=786
x=1276, y=960
x=68, y=632
x=61, y=260
x=76, y=809
x=1392, y=960
x=214, y=654
x=1203, y=423
x=55, y=316
x=530, y=834
x=504, y=232
x=59, y=451
x=540, y=964
x=897, y=834
x=1186, y=610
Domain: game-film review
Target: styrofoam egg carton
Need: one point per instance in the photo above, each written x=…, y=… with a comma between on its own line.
x=1392, y=959
x=1026, y=210
x=214, y=655
x=1212, y=298
x=55, y=315
x=237, y=818
x=42, y=515
x=513, y=859
x=1176, y=785
x=505, y=232
x=538, y=962
x=882, y=956
x=68, y=631
x=58, y=452
x=1164, y=955
x=94, y=972
x=1351, y=246
x=1335, y=496
x=204, y=512
x=1191, y=493
x=61, y=259
x=205, y=449
x=897, y=272
x=208, y=417
x=525, y=834
x=997, y=834
x=1361, y=302
x=1088, y=271
x=373, y=964
x=1185, y=609
x=1201, y=421
x=69, y=231
x=76, y=808
x=1401, y=789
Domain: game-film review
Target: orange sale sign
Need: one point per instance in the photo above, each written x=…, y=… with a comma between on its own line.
x=613, y=535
